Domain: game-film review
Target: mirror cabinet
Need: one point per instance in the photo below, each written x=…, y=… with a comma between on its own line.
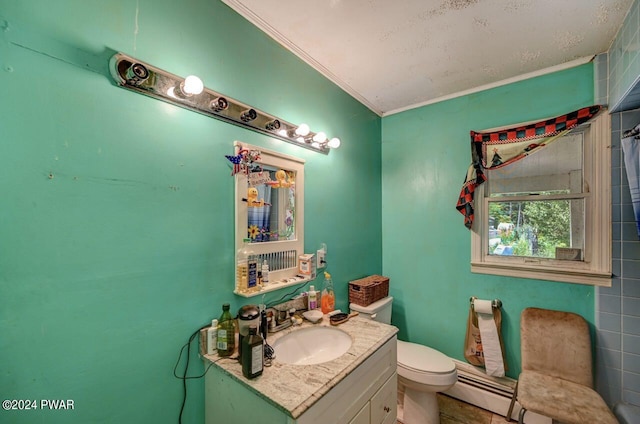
x=269, y=211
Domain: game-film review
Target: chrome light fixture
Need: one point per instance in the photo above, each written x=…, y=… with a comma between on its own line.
x=190, y=93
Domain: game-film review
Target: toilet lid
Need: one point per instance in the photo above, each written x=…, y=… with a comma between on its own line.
x=423, y=359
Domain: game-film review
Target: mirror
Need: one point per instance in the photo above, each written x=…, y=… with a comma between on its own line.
x=271, y=200
x=269, y=205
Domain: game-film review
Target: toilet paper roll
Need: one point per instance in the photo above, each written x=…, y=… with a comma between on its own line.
x=483, y=306
x=492, y=351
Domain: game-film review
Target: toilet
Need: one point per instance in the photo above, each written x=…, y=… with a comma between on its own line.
x=422, y=371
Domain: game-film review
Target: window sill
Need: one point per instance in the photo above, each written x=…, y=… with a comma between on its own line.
x=538, y=272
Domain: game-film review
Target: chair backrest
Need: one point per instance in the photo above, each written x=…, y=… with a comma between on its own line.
x=556, y=343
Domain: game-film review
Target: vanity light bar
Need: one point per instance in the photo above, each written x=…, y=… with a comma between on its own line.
x=146, y=79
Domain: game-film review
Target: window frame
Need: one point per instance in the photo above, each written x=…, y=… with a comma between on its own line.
x=596, y=267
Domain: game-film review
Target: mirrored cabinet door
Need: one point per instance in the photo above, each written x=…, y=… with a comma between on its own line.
x=269, y=205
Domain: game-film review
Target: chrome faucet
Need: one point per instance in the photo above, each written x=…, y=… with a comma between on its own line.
x=279, y=320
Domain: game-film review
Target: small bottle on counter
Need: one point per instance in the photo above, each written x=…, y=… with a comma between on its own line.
x=265, y=272
x=252, y=354
x=226, y=332
x=212, y=337
x=313, y=298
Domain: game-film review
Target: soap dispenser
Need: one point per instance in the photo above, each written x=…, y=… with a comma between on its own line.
x=328, y=297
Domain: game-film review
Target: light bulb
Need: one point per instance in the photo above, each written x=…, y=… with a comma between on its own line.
x=218, y=104
x=315, y=144
x=248, y=115
x=303, y=130
x=192, y=85
x=334, y=143
x=300, y=139
x=273, y=125
x=320, y=137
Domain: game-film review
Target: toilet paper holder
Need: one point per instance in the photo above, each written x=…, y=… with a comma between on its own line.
x=496, y=303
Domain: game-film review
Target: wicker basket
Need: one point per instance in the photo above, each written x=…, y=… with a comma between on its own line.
x=367, y=290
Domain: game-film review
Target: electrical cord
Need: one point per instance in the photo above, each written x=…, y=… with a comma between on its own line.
x=184, y=376
x=275, y=302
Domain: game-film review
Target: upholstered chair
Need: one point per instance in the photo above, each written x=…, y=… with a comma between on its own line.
x=557, y=376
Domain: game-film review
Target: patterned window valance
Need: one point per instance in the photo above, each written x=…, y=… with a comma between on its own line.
x=490, y=150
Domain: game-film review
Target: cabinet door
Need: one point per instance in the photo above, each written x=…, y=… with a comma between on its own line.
x=363, y=416
x=384, y=404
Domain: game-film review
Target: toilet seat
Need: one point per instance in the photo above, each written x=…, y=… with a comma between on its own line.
x=424, y=365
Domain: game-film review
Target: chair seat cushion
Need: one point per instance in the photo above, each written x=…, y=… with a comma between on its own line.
x=562, y=400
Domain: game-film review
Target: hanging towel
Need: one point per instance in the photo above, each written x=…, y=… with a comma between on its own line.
x=631, y=149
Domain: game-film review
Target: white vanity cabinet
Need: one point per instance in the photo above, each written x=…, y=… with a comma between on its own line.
x=381, y=409
x=365, y=394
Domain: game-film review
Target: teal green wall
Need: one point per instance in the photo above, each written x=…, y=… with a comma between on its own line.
x=426, y=247
x=117, y=210
x=117, y=216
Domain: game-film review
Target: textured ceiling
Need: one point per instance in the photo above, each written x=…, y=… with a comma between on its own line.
x=394, y=55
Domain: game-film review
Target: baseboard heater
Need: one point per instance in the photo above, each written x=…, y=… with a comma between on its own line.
x=490, y=393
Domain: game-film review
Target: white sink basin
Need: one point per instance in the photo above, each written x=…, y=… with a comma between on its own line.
x=312, y=345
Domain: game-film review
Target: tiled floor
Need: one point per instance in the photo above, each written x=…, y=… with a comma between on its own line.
x=453, y=411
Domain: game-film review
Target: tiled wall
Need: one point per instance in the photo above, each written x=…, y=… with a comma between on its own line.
x=618, y=307
x=624, y=63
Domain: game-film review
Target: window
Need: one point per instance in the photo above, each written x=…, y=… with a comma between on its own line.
x=548, y=215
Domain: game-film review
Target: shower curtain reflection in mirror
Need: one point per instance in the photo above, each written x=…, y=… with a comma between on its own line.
x=275, y=220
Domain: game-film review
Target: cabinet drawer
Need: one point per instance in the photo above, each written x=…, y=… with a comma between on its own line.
x=363, y=417
x=384, y=404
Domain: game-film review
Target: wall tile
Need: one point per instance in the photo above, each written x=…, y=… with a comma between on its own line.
x=610, y=322
x=631, y=250
x=631, y=287
x=631, y=397
x=616, y=195
x=631, y=362
x=616, y=159
x=616, y=229
x=630, y=325
x=616, y=251
x=627, y=212
x=625, y=193
x=607, y=358
x=629, y=232
x=609, y=340
x=629, y=120
x=616, y=123
x=616, y=177
x=631, y=381
x=631, y=344
x=609, y=385
x=630, y=268
x=631, y=306
x=609, y=304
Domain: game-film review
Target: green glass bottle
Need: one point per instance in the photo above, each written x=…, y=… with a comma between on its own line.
x=226, y=332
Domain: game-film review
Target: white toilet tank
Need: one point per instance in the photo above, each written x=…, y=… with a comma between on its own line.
x=378, y=311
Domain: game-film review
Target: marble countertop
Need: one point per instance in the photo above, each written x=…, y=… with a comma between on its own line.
x=294, y=388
